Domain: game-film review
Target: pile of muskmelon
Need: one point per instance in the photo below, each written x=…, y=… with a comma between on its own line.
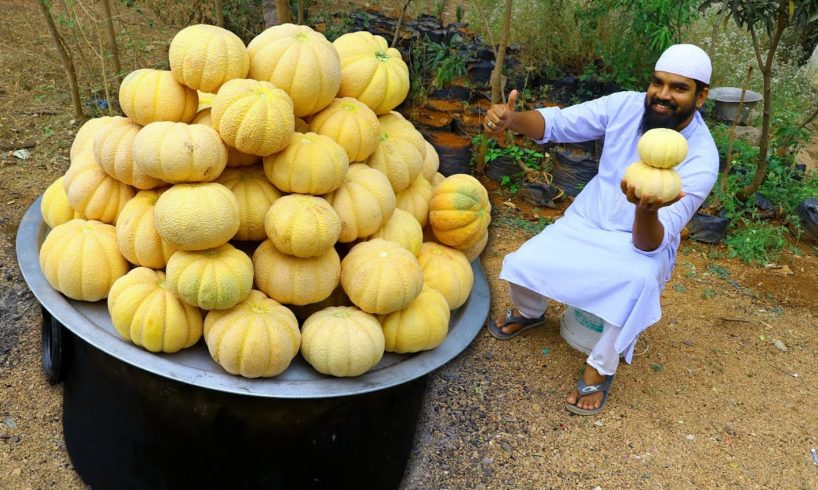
x=269, y=199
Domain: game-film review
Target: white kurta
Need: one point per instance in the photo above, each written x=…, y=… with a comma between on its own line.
x=587, y=259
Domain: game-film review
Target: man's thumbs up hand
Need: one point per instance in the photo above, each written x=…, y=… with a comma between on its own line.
x=499, y=116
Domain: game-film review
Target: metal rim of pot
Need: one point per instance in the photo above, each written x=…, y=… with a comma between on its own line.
x=91, y=323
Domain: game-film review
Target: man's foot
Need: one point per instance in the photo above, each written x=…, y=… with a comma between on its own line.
x=509, y=328
x=512, y=323
x=591, y=401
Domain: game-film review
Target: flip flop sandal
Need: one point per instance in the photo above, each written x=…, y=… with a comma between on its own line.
x=585, y=389
x=527, y=323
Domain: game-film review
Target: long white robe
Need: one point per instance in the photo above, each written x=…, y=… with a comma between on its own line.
x=587, y=259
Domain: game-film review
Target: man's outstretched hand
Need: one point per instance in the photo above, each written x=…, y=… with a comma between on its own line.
x=499, y=116
x=646, y=202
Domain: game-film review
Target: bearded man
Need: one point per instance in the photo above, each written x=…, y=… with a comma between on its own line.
x=611, y=253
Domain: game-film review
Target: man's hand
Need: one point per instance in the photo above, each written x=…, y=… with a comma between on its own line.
x=499, y=116
x=646, y=202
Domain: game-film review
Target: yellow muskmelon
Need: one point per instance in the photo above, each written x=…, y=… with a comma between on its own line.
x=180, y=152
x=302, y=225
x=421, y=325
x=371, y=71
x=204, y=56
x=342, y=341
x=213, y=279
x=147, y=95
x=403, y=229
x=415, y=199
x=299, y=61
x=80, y=259
x=397, y=126
x=380, y=276
x=475, y=250
x=436, y=179
x=311, y=164
x=662, y=148
x=197, y=216
x=351, y=124
x=662, y=184
x=145, y=312
x=365, y=202
x=257, y=338
x=136, y=234
x=55, y=207
x=447, y=270
x=396, y=158
x=205, y=101
x=92, y=192
x=295, y=280
x=431, y=163
x=253, y=117
x=255, y=195
x=235, y=158
x=84, y=139
x=459, y=211
x=114, y=149
x=337, y=298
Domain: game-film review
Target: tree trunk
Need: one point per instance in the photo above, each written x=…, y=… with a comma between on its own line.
x=67, y=62
x=109, y=28
x=497, y=73
x=400, y=22
x=496, y=84
x=283, y=13
x=300, y=12
x=219, y=13
x=764, y=143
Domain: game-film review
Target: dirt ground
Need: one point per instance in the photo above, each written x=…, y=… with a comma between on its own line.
x=721, y=394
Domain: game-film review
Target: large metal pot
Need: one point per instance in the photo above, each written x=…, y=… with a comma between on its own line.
x=133, y=419
x=727, y=102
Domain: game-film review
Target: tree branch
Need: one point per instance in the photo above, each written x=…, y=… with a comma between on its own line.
x=109, y=30
x=67, y=63
x=764, y=143
x=399, y=24
x=731, y=135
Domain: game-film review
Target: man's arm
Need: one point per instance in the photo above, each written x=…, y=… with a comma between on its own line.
x=648, y=230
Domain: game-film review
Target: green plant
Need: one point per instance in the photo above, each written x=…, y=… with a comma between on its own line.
x=757, y=243
x=532, y=159
x=781, y=185
x=433, y=65
x=513, y=186
x=642, y=31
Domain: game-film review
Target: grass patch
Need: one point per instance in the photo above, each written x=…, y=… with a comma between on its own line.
x=508, y=218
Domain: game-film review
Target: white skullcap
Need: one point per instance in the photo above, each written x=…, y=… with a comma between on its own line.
x=686, y=60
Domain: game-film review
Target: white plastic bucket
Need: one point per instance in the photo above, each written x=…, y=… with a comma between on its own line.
x=580, y=329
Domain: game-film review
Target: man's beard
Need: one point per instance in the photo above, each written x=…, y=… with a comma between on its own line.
x=652, y=119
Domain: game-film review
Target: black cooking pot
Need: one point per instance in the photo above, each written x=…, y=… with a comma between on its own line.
x=133, y=419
